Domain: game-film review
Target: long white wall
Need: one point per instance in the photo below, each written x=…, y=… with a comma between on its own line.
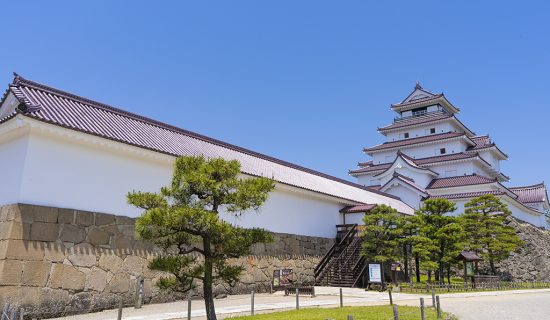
x=45, y=168
x=424, y=151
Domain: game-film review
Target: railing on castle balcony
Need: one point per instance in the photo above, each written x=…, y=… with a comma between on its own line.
x=419, y=114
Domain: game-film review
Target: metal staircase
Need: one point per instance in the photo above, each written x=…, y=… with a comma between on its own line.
x=343, y=265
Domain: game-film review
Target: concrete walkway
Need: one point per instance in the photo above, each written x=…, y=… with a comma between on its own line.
x=326, y=297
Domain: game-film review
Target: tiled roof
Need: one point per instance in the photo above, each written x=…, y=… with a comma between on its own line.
x=444, y=158
x=368, y=167
x=365, y=164
x=484, y=142
x=66, y=110
x=413, y=141
x=374, y=168
x=531, y=194
x=358, y=208
x=459, y=181
x=415, y=121
x=416, y=101
x=467, y=195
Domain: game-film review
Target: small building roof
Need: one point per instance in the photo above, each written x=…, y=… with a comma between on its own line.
x=468, y=256
x=358, y=208
x=420, y=97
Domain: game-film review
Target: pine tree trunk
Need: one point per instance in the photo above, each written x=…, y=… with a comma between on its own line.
x=429, y=275
x=449, y=274
x=417, y=265
x=207, y=282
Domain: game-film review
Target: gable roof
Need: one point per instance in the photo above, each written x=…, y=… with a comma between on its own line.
x=59, y=108
x=406, y=181
x=422, y=98
x=409, y=161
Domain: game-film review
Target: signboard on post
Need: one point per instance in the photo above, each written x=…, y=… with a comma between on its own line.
x=282, y=277
x=375, y=273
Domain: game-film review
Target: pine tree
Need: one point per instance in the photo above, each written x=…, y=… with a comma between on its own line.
x=184, y=220
x=381, y=238
x=440, y=235
x=484, y=220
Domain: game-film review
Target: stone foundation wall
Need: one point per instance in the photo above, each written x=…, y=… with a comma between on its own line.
x=61, y=261
x=532, y=261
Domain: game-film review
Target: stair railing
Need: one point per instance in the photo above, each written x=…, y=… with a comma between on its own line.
x=337, y=245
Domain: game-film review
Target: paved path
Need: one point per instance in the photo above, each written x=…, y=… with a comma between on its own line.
x=520, y=304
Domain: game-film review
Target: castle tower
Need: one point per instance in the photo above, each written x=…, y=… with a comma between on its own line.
x=430, y=153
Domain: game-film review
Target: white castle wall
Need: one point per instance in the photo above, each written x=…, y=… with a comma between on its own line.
x=43, y=168
x=424, y=130
x=423, y=151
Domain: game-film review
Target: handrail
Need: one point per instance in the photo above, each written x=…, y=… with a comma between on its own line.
x=360, y=273
x=324, y=261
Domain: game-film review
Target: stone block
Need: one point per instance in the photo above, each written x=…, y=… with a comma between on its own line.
x=98, y=236
x=110, y=262
x=133, y=265
x=120, y=283
x=54, y=252
x=66, y=216
x=20, y=231
x=67, y=277
x=122, y=220
x=10, y=272
x=102, y=219
x=35, y=273
x=72, y=233
x=43, y=231
x=84, y=218
x=24, y=250
x=82, y=255
x=97, y=279
x=121, y=243
x=10, y=213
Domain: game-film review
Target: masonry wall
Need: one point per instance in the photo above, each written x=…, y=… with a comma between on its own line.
x=62, y=261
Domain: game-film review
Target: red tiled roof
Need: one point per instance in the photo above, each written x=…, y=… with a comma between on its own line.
x=413, y=141
x=416, y=120
x=484, y=142
x=415, y=101
x=459, y=181
x=373, y=168
x=419, y=162
x=445, y=158
x=67, y=110
x=531, y=194
x=467, y=195
x=358, y=208
x=365, y=164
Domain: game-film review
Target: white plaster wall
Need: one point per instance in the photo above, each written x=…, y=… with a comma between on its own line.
x=12, y=156
x=424, y=130
x=517, y=212
x=408, y=196
x=461, y=168
x=490, y=157
x=61, y=172
x=289, y=211
x=368, y=180
x=424, y=151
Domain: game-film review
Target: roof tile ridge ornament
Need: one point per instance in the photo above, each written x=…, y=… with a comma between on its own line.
x=25, y=105
x=418, y=86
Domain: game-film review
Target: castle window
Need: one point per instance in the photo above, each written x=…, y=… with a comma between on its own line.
x=442, y=151
x=432, y=130
x=406, y=135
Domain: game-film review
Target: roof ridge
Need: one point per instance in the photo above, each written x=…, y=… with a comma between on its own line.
x=533, y=186
x=18, y=80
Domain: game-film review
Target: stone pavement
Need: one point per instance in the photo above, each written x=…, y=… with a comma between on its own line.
x=326, y=297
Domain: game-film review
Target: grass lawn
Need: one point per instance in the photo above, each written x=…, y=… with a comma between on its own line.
x=358, y=313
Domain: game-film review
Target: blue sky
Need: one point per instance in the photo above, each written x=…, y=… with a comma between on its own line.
x=305, y=81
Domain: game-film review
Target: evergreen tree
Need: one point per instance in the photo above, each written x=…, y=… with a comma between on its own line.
x=381, y=237
x=484, y=220
x=440, y=235
x=184, y=219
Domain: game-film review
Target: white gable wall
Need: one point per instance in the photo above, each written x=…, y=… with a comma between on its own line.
x=424, y=130
x=412, y=198
x=423, y=151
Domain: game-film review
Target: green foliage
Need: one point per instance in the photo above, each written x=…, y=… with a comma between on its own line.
x=183, y=219
x=488, y=234
x=382, y=235
x=439, y=237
